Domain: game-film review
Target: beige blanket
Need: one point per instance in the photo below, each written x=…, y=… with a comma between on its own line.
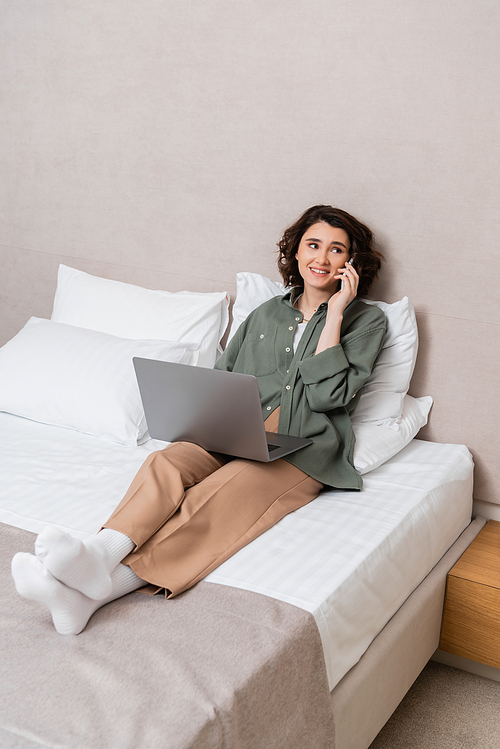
x=214, y=668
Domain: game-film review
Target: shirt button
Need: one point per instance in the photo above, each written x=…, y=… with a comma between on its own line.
x=355, y=394
x=287, y=371
x=287, y=387
x=298, y=319
x=287, y=349
x=291, y=327
x=262, y=336
x=269, y=408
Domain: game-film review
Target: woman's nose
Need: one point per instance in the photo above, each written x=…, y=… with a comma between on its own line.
x=322, y=255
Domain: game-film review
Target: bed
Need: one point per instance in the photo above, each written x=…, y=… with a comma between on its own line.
x=309, y=636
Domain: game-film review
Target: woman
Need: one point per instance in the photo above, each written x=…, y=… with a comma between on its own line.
x=187, y=510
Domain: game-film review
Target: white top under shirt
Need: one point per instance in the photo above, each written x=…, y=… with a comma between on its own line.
x=299, y=330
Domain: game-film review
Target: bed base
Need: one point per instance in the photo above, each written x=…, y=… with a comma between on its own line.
x=369, y=693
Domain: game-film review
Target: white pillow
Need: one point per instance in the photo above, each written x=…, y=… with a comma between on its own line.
x=383, y=393
x=252, y=290
x=376, y=444
x=129, y=311
x=80, y=379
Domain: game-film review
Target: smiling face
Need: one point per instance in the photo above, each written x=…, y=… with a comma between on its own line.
x=323, y=249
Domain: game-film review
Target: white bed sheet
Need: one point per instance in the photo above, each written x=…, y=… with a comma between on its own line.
x=349, y=558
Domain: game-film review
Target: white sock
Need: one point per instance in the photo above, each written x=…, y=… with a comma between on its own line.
x=85, y=565
x=70, y=609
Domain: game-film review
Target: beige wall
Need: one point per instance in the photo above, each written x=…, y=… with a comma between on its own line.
x=169, y=142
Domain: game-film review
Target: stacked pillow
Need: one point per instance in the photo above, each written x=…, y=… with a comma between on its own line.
x=76, y=369
x=80, y=379
x=386, y=417
x=129, y=311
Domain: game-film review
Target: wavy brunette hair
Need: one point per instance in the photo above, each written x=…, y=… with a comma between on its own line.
x=366, y=259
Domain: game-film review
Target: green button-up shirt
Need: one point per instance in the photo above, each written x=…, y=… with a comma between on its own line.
x=316, y=392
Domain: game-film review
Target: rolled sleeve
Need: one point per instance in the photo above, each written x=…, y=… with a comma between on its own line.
x=322, y=366
x=333, y=377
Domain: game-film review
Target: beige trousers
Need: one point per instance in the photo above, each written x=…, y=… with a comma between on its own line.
x=186, y=512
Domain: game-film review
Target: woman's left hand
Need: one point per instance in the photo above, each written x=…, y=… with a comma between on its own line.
x=339, y=301
x=330, y=335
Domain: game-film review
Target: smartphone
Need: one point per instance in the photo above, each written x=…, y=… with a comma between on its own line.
x=351, y=261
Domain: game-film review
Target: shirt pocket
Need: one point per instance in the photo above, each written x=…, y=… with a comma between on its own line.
x=260, y=353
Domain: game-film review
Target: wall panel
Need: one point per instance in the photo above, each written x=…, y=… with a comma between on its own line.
x=173, y=140
x=458, y=364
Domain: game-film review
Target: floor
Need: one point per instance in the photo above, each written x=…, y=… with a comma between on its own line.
x=446, y=708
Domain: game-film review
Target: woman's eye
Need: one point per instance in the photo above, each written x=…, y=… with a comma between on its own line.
x=313, y=246
x=336, y=249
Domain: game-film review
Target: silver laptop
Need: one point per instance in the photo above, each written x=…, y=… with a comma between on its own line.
x=220, y=411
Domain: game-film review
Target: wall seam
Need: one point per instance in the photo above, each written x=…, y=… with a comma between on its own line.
x=457, y=317
x=67, y=260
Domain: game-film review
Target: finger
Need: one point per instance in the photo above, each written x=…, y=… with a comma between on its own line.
x=351, y=269
x=343, y=272
x=346, y=284
x=353, y=280
x=350, y=281
x=347, y=270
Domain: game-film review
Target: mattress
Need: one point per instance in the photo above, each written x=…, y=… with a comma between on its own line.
x=348, y=558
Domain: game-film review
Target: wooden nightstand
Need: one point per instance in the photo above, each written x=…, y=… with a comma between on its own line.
x=471, y=617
